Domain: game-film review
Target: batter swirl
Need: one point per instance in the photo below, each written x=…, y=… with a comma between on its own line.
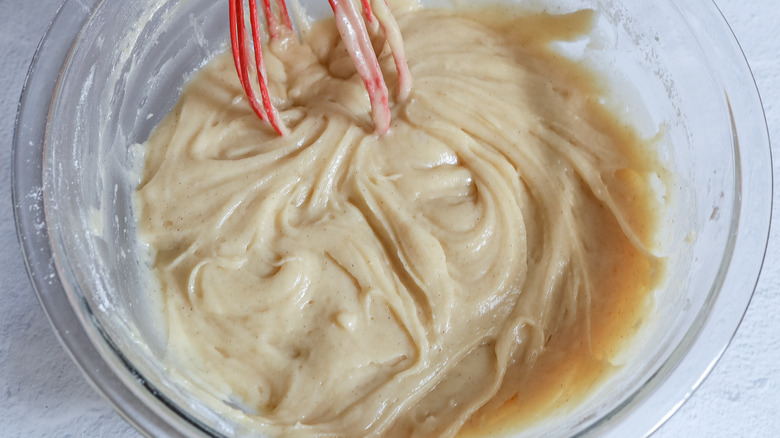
x=333, y=282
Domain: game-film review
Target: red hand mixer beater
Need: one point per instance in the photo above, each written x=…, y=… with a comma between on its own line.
x=353, y=28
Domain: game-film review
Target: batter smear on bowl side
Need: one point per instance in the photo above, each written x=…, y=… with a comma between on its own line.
x=476, y=267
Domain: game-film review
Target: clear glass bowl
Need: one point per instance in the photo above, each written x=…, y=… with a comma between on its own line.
x=107, y=71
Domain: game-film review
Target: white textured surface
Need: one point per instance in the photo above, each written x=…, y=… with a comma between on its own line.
x=43, y=394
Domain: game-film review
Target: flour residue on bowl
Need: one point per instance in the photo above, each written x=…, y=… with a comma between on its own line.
x=478, y=266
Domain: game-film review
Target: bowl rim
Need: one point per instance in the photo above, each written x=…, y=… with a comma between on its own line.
x=139, y=403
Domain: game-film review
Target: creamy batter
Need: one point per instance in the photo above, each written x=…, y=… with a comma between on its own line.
x=480, y=264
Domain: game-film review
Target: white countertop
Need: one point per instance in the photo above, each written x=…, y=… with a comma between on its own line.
x=42, y=392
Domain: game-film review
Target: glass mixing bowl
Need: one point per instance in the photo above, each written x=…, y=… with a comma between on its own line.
x=107, y=72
